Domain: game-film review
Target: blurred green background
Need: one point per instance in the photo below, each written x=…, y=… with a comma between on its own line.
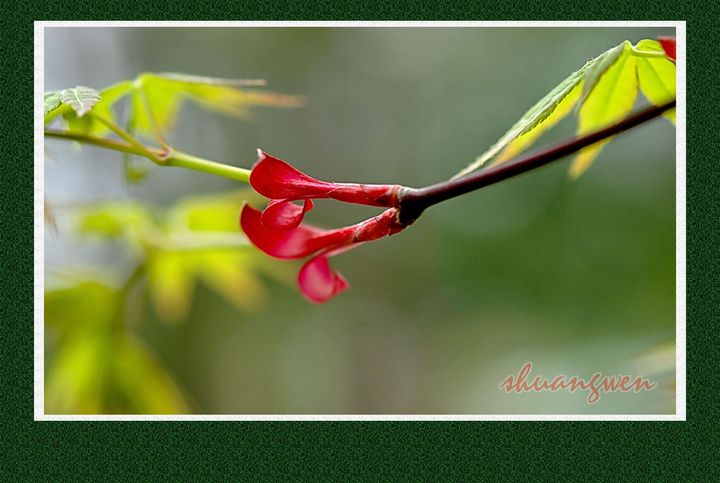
x=576, y=277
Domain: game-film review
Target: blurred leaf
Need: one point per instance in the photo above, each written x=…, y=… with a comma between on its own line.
x=75, y=380
x=656, y=76
x=79, y=315
x=96, y=367
x=230, y=274
x=173, y=274
x=142, y=384
x=157, y=98
x=658, y=359
x=116, y=219
x=106, y=372
x=611, y=99
x=208, y=213
x=198, y=239
x=198, y=79
x=88, y=303
x=51, y=101
x=170, y=281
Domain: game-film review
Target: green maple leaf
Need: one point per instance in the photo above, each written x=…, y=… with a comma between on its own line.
x=603, y=91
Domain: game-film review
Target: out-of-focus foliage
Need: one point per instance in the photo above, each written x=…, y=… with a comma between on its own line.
x=155, y=101
x=156, y=98
x=95, y=363
x=197, y=239
x=604, y=89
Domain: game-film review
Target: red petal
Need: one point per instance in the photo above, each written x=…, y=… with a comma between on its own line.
x=276, y=179
x=284, y=214
x=668, y=45
x=382, y=225
x=298, y=242
x=318, y=282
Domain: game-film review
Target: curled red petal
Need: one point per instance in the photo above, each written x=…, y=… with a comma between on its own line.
x=318, y=282
x=297, y=242
x=284, y=214
x=276, y=179
x=668, y=45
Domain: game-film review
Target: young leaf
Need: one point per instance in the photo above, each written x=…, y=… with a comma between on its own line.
x=600, y=66
x=80, y=98
x=52, y=101
x=541, y=112
x=610, y=100
x=523, y=142
x=104, y=108
x=656, y=76
x=157, y=98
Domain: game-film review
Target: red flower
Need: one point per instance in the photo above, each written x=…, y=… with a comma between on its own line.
x=668, y=45
x=317, y=281
x=277, y=180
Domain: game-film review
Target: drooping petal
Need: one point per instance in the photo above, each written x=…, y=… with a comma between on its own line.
x=297, y=242
x=318, y=282
x=284, y=214
x=668, y=45
x=276, y=179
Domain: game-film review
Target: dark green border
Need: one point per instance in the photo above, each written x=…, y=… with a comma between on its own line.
x=449, y=451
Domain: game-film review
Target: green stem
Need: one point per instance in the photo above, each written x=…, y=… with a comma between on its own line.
x=153, y=120
x=185, y=160
x=132, y=140
x=95, y=141
x=161, y=158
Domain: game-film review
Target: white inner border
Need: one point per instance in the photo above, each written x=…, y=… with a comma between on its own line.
x=39, y=234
